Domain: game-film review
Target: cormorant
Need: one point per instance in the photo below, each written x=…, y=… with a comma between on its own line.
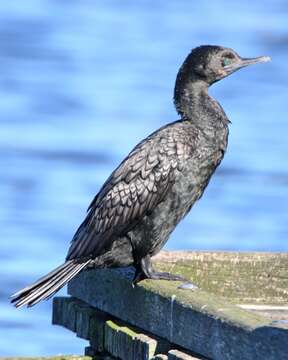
x=155, y=186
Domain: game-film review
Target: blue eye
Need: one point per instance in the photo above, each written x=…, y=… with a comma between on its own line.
x=226, y=61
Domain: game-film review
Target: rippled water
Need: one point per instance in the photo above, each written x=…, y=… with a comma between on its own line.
x=81, y=83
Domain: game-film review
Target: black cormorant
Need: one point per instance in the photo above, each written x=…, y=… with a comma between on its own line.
x=155, y=186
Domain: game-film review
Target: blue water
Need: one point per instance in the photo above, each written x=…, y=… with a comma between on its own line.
x=81, y=82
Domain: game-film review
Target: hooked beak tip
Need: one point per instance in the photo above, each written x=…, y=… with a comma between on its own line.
x=259, y=59
x=251, y=61
x=265, y=59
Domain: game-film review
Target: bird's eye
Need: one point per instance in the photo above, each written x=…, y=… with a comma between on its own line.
x=226, y=61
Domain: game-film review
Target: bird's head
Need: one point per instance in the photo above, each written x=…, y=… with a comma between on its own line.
x=204, y=66
x=212, y=63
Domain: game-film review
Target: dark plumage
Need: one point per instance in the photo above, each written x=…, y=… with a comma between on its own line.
x=137, y=208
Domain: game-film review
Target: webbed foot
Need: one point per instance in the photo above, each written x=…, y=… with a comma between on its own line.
x=145, y=271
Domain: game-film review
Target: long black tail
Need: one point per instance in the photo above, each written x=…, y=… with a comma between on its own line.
x=48, y=285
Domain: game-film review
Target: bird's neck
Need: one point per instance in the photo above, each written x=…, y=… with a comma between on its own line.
x=197, y=106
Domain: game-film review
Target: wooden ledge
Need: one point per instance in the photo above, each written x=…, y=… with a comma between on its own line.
x=241, y=277
x=197, y=320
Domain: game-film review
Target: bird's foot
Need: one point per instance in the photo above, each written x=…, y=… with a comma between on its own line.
x=157, y=275
x=138, y=276
x=146, y=271
x=186, y=285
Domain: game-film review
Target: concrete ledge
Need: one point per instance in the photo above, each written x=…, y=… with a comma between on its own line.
x=194, y=320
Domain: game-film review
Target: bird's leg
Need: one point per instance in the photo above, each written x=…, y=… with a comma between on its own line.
x=144, y=270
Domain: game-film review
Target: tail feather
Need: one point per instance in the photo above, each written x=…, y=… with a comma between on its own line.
x=39, y=292
x=48, y=285
x=42, y=279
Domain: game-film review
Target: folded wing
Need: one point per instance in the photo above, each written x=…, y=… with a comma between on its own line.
x=134, y=188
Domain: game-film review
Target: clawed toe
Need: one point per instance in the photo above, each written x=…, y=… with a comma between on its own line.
x=166, y=276
x=144, y=270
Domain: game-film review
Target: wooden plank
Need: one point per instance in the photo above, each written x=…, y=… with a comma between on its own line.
x=86, y=322
x=195, y=320
x=105, y=333
x=179, y=355
x=252, y=278
x=124, y=343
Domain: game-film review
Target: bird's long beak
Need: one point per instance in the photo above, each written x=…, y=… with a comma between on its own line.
x=246, y=62
x=251, y=61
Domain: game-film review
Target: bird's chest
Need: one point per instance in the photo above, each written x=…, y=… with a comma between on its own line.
x=190, y=180
x=189, y=185
x=199, y=167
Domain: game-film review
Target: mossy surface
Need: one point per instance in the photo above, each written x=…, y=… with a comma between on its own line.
x=205, y=320
x=240, y=277
x=124, y=329
x=204, y=302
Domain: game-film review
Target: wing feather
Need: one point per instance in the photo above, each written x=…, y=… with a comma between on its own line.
x=139, y=183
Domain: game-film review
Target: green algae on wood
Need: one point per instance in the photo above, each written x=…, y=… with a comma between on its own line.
x=241, y=277
x=205, y=302
x=198, y=321
x=105, y=332
x=125, y=343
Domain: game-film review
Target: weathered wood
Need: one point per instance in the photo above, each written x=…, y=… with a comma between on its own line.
x=86, y=322
x=252, y=278
x=66, y=311
x=179, y=355
x=105, y=333
x=124, y=343
x=195, y=320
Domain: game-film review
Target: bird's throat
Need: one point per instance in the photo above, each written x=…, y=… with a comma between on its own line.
x=197, y=106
